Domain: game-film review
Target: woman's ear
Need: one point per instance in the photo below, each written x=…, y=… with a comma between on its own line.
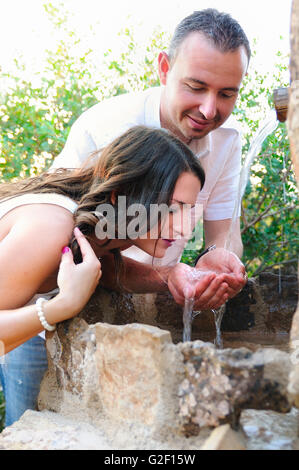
x=163, y=67
x=113, y=197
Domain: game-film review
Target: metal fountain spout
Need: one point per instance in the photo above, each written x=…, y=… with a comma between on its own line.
x=281, y=102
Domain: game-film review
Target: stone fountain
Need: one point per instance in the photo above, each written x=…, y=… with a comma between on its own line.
x=119, y=377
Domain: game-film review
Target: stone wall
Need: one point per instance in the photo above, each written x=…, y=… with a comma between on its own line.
x=130, y=387
x=135, y=374
x=266, y=305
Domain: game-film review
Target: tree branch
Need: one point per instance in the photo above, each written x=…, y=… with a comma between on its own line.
x=264, y=266
x=260, y=217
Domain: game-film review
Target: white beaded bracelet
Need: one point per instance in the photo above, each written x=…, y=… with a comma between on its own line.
x=41, y=316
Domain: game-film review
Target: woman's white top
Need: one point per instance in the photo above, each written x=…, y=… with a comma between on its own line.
x=8, y=204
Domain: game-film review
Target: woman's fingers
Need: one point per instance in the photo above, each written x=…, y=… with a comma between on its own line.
x=67, y=255
x=214, y=294
x=85, y=247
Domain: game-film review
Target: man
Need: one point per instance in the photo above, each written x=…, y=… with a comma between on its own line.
x=200, y=77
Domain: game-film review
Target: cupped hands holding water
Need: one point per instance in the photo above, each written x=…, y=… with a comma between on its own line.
x=222, y=261
x=218, y=276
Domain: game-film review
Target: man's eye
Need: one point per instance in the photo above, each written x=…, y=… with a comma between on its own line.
x=228, y=95
x=194, y=88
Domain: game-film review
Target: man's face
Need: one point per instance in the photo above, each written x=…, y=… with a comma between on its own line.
x=201, y=87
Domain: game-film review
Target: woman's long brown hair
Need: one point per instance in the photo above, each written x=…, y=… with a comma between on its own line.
x=143, y=164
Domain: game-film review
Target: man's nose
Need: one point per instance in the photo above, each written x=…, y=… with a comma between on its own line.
x=208, y=106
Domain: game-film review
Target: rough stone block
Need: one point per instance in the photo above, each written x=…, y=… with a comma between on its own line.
x=45, y=430
x=218, y=384
x=125, y=374
x=294, y=357
x=132, y=372
x=269, y=430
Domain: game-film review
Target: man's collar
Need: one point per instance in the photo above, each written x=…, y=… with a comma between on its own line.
x=201, y=147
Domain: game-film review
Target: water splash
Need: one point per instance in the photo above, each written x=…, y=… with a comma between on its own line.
x=264, y=130
x=187, y=319
x=189, y=314
x=267, y=127
x=218, y=315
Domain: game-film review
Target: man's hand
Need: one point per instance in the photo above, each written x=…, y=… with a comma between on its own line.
x=225, y=262
x=209, y=289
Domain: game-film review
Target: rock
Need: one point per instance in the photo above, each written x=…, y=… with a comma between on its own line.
x=224, y=438
x=135, y=386
x=52, y=431
x=126, y=374
x=268, y=430
x=293, y=387
x=46, y=430
x=218, y=384
x=135, y=374
x=266, y=304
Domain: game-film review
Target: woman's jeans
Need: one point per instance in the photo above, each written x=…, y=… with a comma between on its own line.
x=21, y=372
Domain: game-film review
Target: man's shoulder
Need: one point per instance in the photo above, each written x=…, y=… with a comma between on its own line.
x=126, y=104
x=111, y=117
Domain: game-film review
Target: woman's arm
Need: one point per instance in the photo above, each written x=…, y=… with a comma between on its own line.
x=19, y=325
x=28, y=255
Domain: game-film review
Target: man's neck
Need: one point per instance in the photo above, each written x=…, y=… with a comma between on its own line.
x=166, y=123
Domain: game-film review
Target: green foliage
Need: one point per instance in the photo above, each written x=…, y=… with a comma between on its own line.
x=269, y=215
x=36, y=116
x=35, y=119
x=135, y=68
x=269, y=207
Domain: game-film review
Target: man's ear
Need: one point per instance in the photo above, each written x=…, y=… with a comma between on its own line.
x=164, y=67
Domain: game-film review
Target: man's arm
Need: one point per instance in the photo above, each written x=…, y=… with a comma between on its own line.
x=210, y=290
x=218, y=231
x=226, y=257
x=136, y=277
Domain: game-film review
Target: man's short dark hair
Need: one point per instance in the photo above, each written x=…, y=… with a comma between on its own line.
x=221, y=29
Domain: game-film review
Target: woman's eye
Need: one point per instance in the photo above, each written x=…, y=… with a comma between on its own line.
x=174, y=209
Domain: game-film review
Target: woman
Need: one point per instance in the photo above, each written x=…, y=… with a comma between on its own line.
x=37, y=220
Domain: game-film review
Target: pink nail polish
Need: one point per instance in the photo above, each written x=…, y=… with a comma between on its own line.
x=65, y=250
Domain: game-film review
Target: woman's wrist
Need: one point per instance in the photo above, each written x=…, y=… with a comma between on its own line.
x=58, y=309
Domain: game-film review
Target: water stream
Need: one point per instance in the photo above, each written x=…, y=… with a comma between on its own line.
x=264, y=130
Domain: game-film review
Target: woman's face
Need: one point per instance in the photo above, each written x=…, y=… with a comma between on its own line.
x=176, y=222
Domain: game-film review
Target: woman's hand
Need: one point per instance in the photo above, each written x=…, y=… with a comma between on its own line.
x=208, y=288
x=77, y=282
